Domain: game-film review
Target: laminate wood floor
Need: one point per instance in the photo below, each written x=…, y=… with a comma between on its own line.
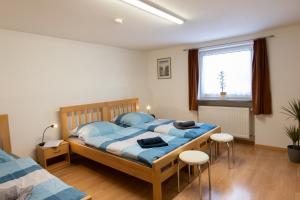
x=258, y=174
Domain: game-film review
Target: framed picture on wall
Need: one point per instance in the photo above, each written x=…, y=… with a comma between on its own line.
x=164, y=68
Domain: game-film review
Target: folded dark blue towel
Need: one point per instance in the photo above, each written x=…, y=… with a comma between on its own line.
x=183, y=125
x=186, y=124
x=152, y=142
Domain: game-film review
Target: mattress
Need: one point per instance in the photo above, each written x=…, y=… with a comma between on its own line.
x=123, y=143
x=165, y=126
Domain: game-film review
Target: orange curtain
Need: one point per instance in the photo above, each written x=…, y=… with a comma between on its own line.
x=193, y=79
x=261, y=89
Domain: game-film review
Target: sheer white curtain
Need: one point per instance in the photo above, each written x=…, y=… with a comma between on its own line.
x=235, y=61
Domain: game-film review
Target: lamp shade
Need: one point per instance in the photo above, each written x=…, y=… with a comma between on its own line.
x=148, y=107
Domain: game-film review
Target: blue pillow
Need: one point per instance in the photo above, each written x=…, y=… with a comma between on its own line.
x=4, y=157
x=98, y=128
x=133, y=118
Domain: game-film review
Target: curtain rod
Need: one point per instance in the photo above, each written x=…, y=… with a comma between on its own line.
x=269, y=36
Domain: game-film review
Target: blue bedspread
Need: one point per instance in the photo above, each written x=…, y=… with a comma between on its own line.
x=165, y=126
x=25, y=172
x=124, y=143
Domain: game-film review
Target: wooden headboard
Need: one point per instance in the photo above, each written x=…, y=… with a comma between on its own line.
x=73, y=116
x=116, y=108
x=4, y=133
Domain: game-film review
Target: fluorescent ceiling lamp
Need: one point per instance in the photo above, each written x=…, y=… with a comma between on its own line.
x=155, y=11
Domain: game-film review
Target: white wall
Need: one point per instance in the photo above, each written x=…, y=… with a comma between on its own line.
x=40, y=74
x=169, y=98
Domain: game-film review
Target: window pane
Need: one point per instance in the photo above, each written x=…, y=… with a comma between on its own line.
x=236, y=65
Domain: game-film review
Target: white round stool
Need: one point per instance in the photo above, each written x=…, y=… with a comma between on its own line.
x=193, y=157
x=222, y=138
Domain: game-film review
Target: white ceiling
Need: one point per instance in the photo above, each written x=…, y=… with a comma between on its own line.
x=92, y=20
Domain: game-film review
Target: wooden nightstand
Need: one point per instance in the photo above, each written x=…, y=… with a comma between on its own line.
x=54, y=158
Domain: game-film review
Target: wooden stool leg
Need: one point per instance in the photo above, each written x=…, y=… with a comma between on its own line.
x=216, y=152
x=200, y=189
x=218, y=148
x=233, y=157
x=228, y=151
x=210, y=155
x=209, y=177
x=178, y=175
x=189, y=168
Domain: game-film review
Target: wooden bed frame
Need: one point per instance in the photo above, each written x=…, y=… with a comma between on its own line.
x=162, y=168
x=5, y=139
x=4, y=133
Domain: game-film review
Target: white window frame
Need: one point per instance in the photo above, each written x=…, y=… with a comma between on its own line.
x=248, y=45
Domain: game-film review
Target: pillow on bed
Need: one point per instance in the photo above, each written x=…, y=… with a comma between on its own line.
x=5, y=157
x=133, y=118
x=97, y=129
x=73, y=132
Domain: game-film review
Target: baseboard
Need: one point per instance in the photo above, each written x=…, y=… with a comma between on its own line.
x=270, y=147
x=244, y=141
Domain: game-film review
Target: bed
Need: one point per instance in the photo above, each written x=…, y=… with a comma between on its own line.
x=160, y=169
x=111, y=138
x=24, y=177
x=147, y=122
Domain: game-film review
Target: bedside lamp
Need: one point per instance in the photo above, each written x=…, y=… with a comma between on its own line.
x=148, y=108
x=51, y=126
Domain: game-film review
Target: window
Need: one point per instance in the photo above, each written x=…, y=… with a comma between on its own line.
x=234, y=62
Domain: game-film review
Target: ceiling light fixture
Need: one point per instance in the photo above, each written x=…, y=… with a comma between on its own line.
x=153, y=10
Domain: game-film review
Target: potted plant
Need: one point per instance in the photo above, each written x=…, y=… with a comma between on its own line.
x=222, y=83
x=293, y=132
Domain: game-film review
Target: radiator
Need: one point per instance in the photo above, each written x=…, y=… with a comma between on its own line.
x=233, y=120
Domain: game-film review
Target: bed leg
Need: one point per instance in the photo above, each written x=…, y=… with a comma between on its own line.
x=157, y=192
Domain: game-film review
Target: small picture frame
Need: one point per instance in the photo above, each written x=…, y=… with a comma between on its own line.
x=164, y=68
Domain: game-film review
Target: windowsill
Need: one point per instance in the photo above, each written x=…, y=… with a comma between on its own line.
x=225, y=103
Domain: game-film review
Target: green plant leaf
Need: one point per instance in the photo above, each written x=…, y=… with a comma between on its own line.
x=292, y=111
x=293, y=133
